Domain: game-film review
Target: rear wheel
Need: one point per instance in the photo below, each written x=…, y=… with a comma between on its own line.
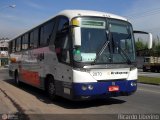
x=50, y=88
x=152, y=69
x=158, y=69
x=144, y=69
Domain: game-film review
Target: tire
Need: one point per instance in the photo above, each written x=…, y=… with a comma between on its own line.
x=152, y=69
x=144, y=69
x=16, y=79
x=50, y=88
x=158, y=69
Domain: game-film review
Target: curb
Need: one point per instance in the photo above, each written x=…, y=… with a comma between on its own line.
x=1, y=67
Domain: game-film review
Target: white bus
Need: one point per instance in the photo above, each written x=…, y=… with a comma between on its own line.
x=77, y=55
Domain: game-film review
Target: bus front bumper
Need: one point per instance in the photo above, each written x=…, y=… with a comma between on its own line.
x=101, y=89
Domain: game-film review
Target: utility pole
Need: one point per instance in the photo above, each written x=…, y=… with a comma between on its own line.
x=8, y=6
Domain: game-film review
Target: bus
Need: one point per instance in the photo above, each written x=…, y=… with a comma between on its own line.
x=78, y=55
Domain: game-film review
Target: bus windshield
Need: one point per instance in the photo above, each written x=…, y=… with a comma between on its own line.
x=95, y=32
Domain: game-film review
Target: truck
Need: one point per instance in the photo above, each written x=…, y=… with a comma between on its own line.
x=152, y=64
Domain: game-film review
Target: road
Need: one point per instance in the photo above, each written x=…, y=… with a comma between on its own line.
x=33, y=104
x=148, y=74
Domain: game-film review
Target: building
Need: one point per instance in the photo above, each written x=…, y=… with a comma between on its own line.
x=3, y=52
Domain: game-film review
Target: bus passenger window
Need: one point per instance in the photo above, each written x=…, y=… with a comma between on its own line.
x=46, y=33
x=25, y=41
x=18, y=44
x=14, y=46
x=34, y=37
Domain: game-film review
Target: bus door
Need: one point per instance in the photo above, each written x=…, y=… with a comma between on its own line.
x=62, y=49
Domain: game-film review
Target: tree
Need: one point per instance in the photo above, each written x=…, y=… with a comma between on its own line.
x=155, y=51
x=140, y=45
x=158, y=49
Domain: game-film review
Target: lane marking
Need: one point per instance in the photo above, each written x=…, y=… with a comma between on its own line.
x=149, y=91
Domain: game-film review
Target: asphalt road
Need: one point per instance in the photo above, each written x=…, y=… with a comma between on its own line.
x=148, y=74
x=33, y=104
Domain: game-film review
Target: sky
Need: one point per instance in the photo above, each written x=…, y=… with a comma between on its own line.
x=143, y=14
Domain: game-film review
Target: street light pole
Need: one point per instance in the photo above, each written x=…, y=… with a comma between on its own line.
x=10, y=6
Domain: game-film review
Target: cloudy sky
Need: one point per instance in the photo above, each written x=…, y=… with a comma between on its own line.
x=144, y=14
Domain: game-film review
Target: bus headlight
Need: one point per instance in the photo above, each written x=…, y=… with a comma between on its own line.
x=90, y=87
x=133, y=84
x=84, y=87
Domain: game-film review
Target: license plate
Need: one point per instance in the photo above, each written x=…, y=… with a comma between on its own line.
x=113, y=88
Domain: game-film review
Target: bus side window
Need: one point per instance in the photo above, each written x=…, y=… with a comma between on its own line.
x=62, y=41
x=46, y=32
x=34, y=38
x=25, y=42
x=13, y=45
x=18, y=44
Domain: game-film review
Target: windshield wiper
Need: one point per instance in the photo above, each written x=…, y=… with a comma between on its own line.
x=126, y=56
x=124, y=53
x=101, y=51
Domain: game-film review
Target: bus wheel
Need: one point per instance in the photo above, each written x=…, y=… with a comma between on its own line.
x=16, y=78
x=50, y=88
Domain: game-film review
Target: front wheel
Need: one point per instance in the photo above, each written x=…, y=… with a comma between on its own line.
x=50, y=88
x=16, y=79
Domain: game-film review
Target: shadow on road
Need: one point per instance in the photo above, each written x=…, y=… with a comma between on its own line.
x=41, y=95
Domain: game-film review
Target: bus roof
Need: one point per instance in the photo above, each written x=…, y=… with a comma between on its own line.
x=73, y=13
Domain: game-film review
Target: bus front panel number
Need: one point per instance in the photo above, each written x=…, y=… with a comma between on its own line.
x=96, y=74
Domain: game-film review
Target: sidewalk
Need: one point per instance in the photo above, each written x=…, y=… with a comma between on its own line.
x=3, y=68
x=6, y=104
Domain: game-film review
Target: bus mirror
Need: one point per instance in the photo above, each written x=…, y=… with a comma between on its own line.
x=77, y=36
x=150, y=39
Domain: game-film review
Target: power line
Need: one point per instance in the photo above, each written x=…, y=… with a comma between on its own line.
x=7, y=6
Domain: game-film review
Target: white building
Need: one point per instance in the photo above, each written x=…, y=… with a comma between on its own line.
x=3, y=52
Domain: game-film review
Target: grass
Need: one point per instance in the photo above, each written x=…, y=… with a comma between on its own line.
x=149, y=80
